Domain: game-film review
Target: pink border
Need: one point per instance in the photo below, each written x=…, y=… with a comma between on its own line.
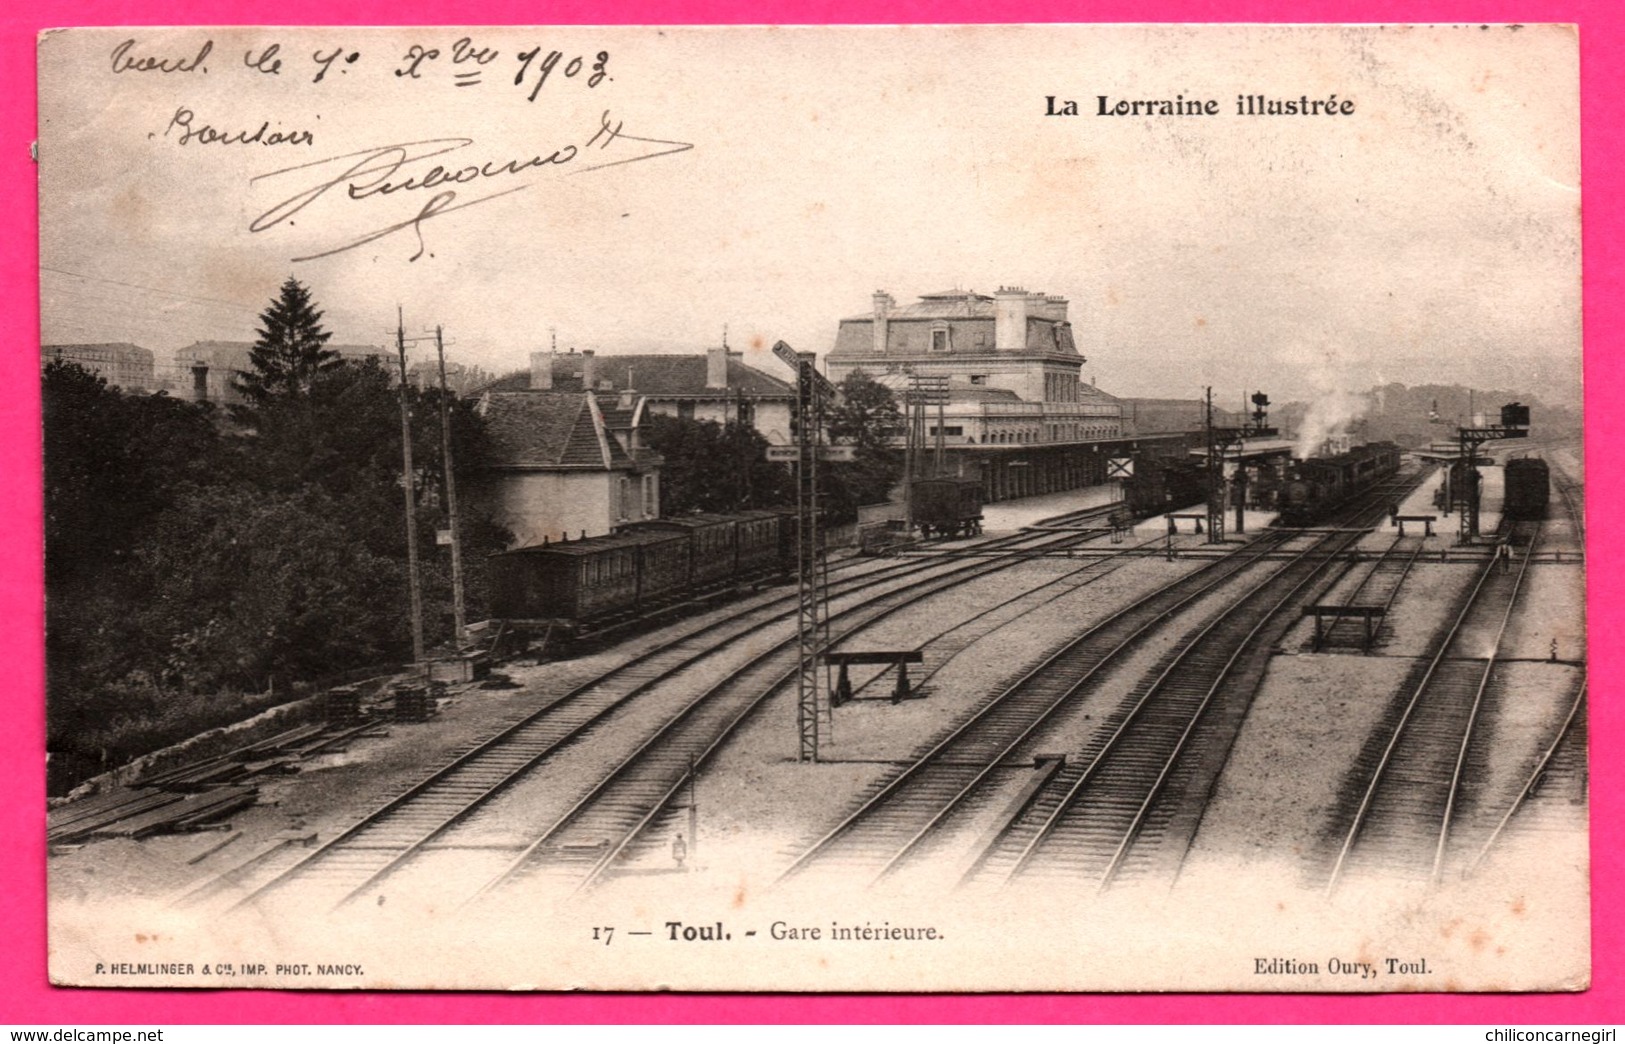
x=26, y=998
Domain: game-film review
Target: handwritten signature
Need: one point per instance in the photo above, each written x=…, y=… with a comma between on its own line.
x=388, y=170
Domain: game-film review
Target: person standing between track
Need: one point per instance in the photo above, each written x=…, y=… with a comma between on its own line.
x=679, y=850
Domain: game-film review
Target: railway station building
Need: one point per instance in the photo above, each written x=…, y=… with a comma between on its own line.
x=1016, y=410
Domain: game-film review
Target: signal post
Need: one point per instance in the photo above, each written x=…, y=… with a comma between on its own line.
x=813, y=393
x=1221, y=440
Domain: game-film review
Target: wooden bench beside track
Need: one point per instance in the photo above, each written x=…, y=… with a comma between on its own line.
x=1426, y=520
x=901, y=657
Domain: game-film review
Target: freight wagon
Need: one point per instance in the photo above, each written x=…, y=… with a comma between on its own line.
x=576, y=586
x=1528, y=489
x=948, y=507
x=1163, y=484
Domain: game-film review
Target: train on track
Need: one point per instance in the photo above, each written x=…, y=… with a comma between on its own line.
x=1528, y=489
x=1318, y=486
x=576, y=586
x=1163, y=484
x=948, y=507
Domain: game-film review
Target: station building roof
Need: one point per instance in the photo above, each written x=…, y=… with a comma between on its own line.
x=1253, y=449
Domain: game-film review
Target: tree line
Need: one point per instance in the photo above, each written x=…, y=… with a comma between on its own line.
x=201, y=561
x=714, y=467
x=205, y=561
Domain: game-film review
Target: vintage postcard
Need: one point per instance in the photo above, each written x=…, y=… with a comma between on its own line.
x=917, y=508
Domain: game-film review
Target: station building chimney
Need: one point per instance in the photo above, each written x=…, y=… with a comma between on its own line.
x=1010, y=319
x=884, y=303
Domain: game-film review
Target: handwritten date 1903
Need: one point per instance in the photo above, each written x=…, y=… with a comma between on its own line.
x=545, y=64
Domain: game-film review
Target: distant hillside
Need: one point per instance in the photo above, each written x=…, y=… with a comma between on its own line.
x=1397, y=413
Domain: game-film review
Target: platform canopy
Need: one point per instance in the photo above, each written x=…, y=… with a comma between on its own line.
x=1252, y=449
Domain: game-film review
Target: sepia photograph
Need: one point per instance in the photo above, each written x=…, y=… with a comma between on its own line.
x=813, y=508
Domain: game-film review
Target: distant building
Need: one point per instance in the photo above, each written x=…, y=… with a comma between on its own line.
x=1017, y=410
x=1158, y=416
x=717, y=386
x=461, y=379
x=557, y=468
x=1014, y=339
x=206, y=369
x=1012, y=366
x=121, y=365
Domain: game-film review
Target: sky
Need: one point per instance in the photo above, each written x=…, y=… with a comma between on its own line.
x=769, y=181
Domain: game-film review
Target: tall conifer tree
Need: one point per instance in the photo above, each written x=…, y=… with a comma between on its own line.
x=291, y=349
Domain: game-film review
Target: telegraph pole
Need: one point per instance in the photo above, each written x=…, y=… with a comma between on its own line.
x=807, y=556
x=411, y=501
x=1215, y=478
x=909, y=395
x=459, y=622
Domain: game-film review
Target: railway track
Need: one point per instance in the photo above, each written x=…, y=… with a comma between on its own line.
x=1548, y=790
x=423, y=816
x=1377, y=589
x=1558, y=784
x=587, y=842
x=942, y=647
x=1116, y=812
x=908, y=819
x=1403, y=821
x=1570, y=492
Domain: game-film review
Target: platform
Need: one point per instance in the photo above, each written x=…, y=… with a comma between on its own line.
x=1420, y=502
x=1011, y=515
x=1258, y=520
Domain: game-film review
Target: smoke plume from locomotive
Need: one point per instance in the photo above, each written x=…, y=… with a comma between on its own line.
x=1330, y=415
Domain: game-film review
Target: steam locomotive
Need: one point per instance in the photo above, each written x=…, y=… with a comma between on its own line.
x=1318, y=486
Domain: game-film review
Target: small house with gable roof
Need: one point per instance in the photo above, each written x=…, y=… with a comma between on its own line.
x=557, y=470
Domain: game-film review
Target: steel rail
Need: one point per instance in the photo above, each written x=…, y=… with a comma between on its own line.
x=1013, y=691
x=952, y=575
x=925, y=644
x=506, y=735
x=1191, y=647
x=938, y=753
x=1536, y=775
x=897, y=860
x=1393, y=594
x=1472, y=714
x=1359, y=588
x=1369, y=796
x=912, y=593
x=1577, y=518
